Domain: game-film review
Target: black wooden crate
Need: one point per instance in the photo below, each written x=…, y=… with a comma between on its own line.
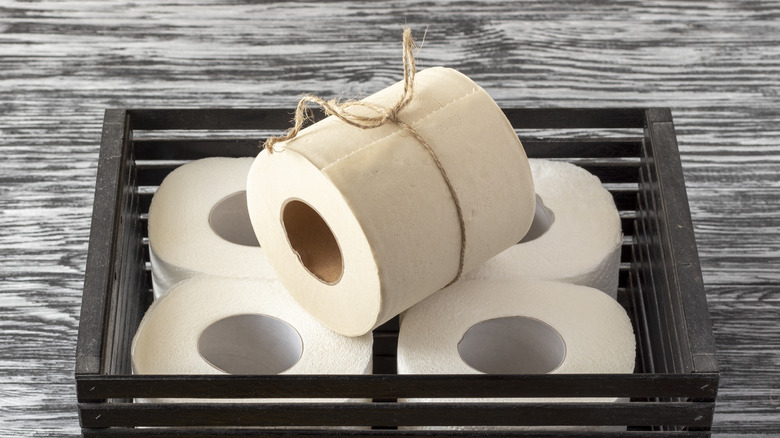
x=633, y=151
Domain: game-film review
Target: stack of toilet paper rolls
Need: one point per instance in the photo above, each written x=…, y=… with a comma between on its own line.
x=544, y=306
x=219, y=308
x=344, y=228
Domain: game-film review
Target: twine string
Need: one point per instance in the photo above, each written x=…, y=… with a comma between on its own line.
x=376, y=116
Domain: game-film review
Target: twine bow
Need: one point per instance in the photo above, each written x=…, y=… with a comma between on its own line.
x=378, y=116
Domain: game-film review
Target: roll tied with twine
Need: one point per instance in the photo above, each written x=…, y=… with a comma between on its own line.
x=390, y=198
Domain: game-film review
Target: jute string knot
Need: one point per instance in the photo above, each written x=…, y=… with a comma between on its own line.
x=376, y=116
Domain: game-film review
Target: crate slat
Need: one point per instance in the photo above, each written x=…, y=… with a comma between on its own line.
x=396, y=414
x=277, y=118
x=575, y=118
x=700, y=386
x=164, y=148
x=367, y=433
x=619, y=147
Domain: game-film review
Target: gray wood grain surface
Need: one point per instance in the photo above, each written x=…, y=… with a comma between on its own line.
x=716, y=64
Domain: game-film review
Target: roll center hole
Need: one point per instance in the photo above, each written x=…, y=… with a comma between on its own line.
x=229, y=219
x=311, y=238
x=512, y=345
x=543, y=220
x=251, y=344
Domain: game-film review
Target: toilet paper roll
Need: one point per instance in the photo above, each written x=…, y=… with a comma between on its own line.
x=218, y=325
x=514, y=327
x=199, y=224
x=359, y=224
x=583, y=236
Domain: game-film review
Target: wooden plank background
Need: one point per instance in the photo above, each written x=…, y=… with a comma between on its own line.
x=715, y=63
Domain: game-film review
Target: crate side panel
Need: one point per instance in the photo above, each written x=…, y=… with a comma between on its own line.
x=91, y=338
x=677, y=357
x=684, y=264
x=662, y=219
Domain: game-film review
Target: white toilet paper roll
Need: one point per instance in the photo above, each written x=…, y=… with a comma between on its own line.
x=218, y=325
x=359, y=224
x=198, y=223
x=514, y=327
x=583, y=236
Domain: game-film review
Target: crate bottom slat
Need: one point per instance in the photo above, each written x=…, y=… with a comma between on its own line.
x=372, y=433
